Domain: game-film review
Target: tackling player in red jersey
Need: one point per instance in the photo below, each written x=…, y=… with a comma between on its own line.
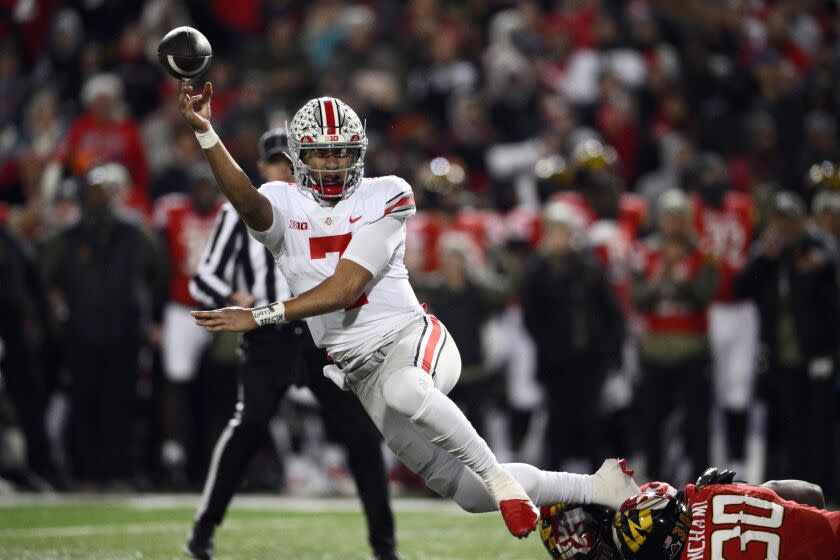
x=713, y=519
x=754, y=523
x=724, y=522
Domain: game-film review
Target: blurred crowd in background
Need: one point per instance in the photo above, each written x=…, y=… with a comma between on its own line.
x=628, y=217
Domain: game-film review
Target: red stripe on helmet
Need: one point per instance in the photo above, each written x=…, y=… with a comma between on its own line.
x=330, y=114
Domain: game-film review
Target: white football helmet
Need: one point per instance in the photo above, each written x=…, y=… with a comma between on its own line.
x=322, y=124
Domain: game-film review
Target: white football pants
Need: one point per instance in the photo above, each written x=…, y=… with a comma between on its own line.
x=405, y=397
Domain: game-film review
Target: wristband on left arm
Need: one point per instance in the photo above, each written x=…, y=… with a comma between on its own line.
x=271, y=314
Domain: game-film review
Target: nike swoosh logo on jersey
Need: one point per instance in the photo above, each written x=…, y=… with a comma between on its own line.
x=354, y=220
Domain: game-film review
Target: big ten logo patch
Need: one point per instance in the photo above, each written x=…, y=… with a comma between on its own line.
x=294, y=224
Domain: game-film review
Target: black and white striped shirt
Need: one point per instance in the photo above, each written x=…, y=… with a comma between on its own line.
x=234, y=261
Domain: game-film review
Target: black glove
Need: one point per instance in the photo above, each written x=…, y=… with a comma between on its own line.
x=713, y=475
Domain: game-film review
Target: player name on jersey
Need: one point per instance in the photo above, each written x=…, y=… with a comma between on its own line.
x=695, y=546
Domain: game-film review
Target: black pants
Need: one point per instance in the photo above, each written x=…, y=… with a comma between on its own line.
x=800, y=427
x=573, y=427
x=102, y=410
x=28, y=393
x=663, y=389
x=273, y=359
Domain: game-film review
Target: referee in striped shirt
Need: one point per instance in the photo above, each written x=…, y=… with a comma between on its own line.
x=238, y=270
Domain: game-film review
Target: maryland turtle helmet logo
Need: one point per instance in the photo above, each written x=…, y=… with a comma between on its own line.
x=651, y=525
x=635, y=524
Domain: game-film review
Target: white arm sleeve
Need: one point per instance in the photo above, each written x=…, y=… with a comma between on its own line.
x=374, y=244
x=272, y=238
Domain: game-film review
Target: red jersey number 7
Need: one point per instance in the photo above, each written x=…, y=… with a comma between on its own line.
x=320, y=246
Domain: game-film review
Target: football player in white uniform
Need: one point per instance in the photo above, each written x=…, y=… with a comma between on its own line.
x=339, y=238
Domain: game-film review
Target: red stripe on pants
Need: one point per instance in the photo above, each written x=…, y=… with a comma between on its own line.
x=431, y=347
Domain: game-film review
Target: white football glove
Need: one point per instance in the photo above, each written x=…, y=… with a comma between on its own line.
x=613, y=483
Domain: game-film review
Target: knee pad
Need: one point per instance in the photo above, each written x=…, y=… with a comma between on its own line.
x=448, y=369
x=405, y=390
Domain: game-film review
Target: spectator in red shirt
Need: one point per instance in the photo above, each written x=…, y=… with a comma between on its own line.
x=672, y=286
x=103, y=133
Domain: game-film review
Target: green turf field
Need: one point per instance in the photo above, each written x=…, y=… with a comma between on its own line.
x=122, y=529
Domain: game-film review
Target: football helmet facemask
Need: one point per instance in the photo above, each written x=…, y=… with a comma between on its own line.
x=329, y=127
x=652, y=525
x=577, y=532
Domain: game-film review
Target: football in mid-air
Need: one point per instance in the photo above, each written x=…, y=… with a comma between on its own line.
x=184, y=52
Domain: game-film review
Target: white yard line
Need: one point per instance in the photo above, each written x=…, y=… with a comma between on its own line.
x=180, y=501
x=267, y=503
x=134, y=529
x=245, y=502
x=81, y=531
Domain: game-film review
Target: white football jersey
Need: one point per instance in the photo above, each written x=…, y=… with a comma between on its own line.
x=307, y=240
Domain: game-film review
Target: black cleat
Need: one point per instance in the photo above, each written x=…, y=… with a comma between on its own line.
x=200, y=543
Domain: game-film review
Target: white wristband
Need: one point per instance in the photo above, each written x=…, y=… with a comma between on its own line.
x=207, y=139
x=271, y=314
